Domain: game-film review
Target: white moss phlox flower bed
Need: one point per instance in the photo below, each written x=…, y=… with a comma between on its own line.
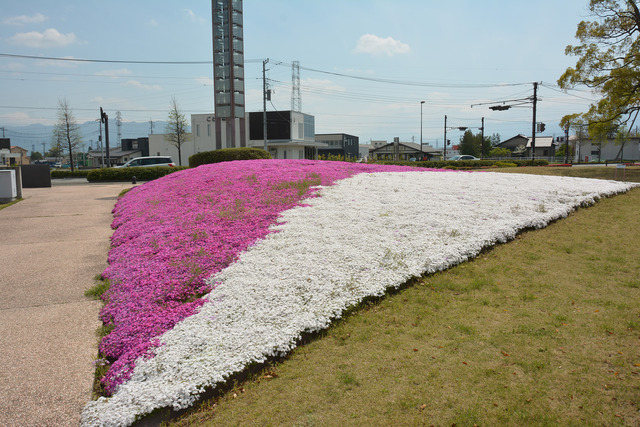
x=362, y=236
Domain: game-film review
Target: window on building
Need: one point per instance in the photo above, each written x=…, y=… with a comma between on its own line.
x=197, y=131
x=208, y=130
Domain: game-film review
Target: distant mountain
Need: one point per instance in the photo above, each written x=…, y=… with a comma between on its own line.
x=31, y=137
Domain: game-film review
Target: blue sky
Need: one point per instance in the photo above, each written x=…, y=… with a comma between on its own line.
x=365, y=65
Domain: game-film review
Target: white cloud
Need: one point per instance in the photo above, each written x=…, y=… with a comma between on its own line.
x=24, y=19
x=114, y=73
x=15, y=66
x=193, y=16
x=48, y=63
x=324, y=84
x=49, y=38
x=153, y=23
x=22, y=118
x=374, y=45
x=136, y=83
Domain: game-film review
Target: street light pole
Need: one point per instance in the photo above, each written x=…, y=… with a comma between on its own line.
x=421, y=154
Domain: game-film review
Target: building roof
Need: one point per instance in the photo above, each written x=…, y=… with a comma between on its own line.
x=413, y=146
x=114, y=152
x=542, y=141
x=520, y=139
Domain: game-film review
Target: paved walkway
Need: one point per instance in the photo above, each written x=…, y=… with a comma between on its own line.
x=52, y=244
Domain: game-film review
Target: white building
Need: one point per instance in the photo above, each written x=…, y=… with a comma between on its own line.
x=206, y=137
x=290, y=134
x=160, y=146
x=591, y=151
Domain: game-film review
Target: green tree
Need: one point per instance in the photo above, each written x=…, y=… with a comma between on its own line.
x=470, y=144
x=35, y=155
x=561, y=151
x=176, y=130
x=66, y=132
x=609, y=63
x=500, y=152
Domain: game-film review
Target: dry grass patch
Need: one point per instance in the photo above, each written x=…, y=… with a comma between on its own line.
x=543, y=330
x=630, y=173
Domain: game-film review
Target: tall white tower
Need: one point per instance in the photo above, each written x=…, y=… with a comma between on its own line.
x=296, y=98
x=228, y=72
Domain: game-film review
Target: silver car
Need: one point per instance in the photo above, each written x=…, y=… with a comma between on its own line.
x=149, y=161
x=464, y=157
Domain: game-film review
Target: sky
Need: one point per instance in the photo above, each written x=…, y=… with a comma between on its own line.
x=365, y=65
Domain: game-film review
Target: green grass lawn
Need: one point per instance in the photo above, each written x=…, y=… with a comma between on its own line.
x=543, y=330
x=6, y=205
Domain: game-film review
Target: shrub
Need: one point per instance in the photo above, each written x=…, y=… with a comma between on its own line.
x=227, y=155
x=506, y=165
x=337, y=158
x=464, y=164
x=500, y=152
x=68, y=174
x=127, y=174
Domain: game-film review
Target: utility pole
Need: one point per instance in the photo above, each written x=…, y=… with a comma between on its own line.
x=444, y=157
x=482, y=140
x=533, y=125
x=566, y=144
x=105, y=119
x=264, y=102
x=421, y=154
x=100, y=143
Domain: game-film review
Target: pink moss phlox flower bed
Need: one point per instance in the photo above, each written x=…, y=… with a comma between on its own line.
x=174, y=233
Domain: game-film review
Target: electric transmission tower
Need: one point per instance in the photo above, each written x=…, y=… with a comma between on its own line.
x=296, y=99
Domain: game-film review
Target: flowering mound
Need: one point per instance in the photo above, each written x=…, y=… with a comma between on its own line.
x=173, y=233
x=374, y=229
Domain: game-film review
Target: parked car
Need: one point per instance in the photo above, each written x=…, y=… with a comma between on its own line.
x=149, y=161
x=464, y=157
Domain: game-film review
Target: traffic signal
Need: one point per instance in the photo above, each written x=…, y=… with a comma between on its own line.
x=540, y=127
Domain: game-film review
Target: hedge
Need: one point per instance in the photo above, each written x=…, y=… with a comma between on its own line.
x=127, y=174
x=464, y=164
x=227, y=155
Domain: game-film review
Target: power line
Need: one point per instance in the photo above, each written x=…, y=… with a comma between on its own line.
x=114, y=61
